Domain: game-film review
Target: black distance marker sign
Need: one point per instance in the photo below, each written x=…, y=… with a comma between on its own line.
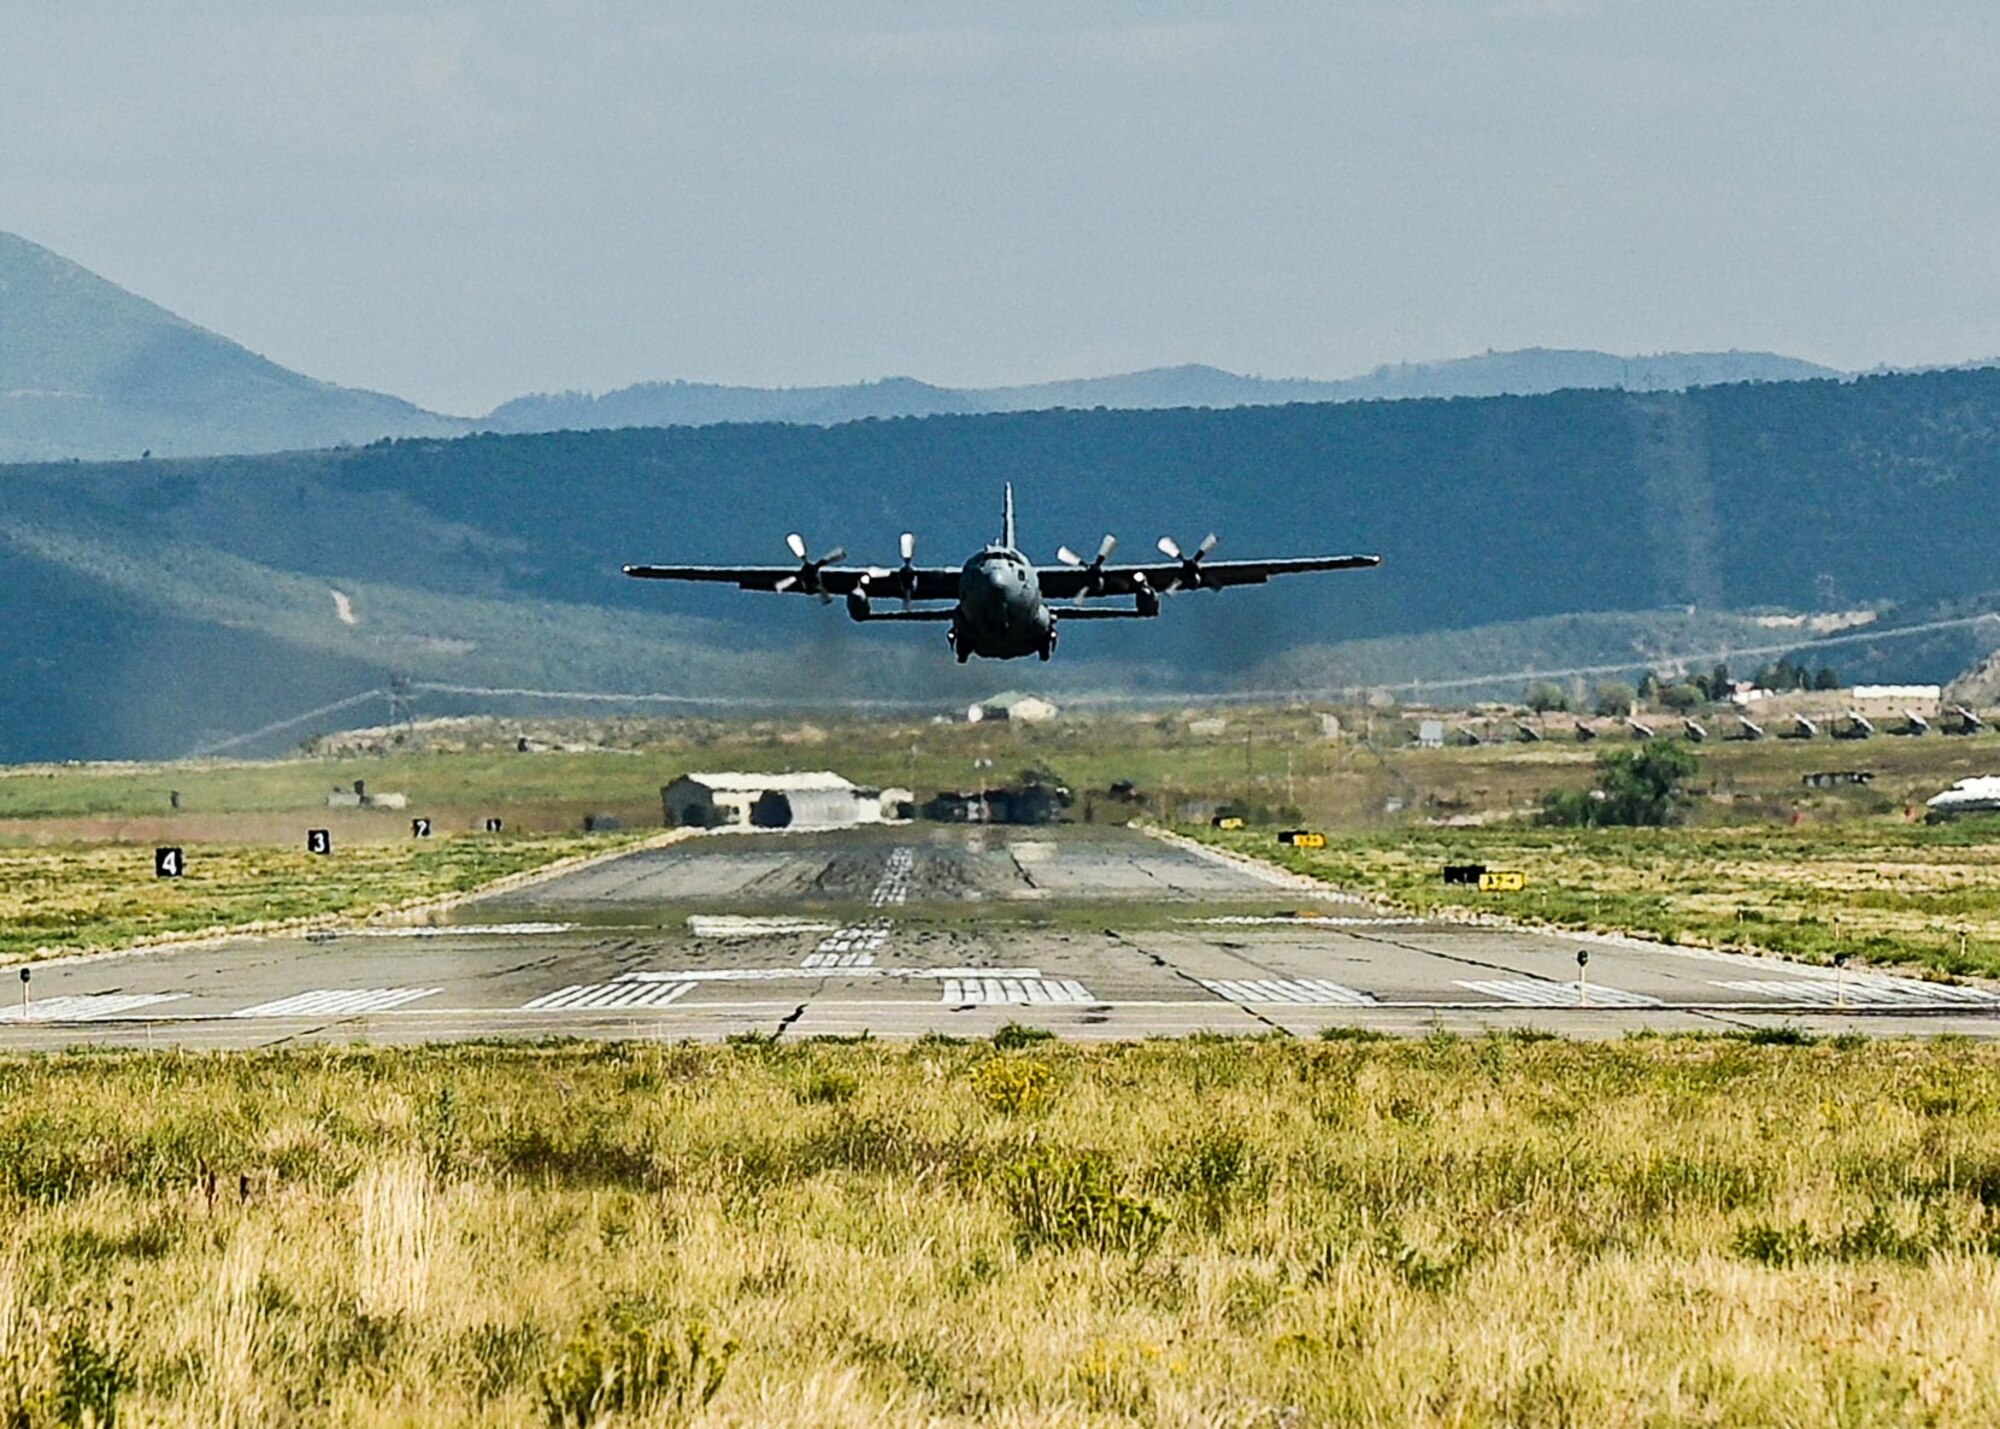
x=420, y=828
x=319, y=841
x=169, y=863
x=492, y=826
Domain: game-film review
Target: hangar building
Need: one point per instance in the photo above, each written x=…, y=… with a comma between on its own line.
x=775, y=801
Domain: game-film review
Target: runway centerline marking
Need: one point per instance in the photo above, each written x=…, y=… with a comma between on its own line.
x=860, y=938
x=826, y=961
x=894, y=888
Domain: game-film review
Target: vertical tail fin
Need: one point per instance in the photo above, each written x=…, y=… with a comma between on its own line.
x=1007, y=528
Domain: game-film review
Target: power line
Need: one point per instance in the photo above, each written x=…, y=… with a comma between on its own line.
x=279, y=726
x=1103, y=699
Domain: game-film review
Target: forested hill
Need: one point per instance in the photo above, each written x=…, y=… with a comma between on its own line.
x=494, y=559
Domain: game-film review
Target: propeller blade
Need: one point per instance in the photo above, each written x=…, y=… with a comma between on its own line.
x=1068, y=557
x=1170, y=548
x=909, y=546
x=833, y=557
x=788, y=583
x=1106, y=547
x=1207, y=545
x=798, y=544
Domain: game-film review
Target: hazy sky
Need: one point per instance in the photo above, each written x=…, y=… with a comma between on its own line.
x=462, y=202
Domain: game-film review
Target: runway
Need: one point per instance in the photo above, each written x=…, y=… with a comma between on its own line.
x=907, y=931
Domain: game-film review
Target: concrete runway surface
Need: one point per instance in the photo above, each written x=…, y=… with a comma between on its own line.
x=902, y=931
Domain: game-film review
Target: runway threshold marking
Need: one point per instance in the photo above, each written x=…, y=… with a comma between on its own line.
x=1525, y=992
x=1024, y=992
x=603, y=996
x=1309, y=991
x=1865, y=989
x=339, y=1002
x=86, y=1007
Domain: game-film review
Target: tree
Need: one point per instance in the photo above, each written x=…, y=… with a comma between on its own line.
x=1681, y=698
x=1615, y=699
x=1826, y=679
x=1644, y=788
x=1545, y=696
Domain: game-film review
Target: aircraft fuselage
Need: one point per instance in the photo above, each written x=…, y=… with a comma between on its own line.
x=1001, y=614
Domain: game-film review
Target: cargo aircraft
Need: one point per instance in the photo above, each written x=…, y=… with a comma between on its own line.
x=1000, y=606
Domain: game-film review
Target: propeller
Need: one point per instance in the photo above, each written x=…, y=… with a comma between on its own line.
x=1190, y=572
x=807, y=579
x=1095, y=568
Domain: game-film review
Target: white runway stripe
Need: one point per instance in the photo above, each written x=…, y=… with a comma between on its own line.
x=608, y=996
x=85, y=1007
x=1526, y=992
x=894, y=889
x=830, y=960
x=862, y=938
x=338, y=1002
x=1020, y=991
x=1865, y=991
x=1310, y=990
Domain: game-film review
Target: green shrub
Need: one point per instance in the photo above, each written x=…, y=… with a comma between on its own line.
x=623, y=1367
x=1063, y=1202
x=1013, y=1085
x=1013, y=1036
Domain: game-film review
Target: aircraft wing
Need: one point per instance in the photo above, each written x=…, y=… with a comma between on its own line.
x=1067, y=582
x=931, y=583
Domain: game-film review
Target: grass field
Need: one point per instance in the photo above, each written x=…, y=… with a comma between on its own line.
x=1497, y=1231
x=83, y=897
x=1272, y=758
x=1879, y=890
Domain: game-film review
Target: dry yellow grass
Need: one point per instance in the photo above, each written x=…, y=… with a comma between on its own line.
x=1445, y=1232
x=1886, y=892
x=91, y=896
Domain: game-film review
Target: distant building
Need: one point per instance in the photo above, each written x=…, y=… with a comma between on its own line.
x=768, y=801
x=1015, y=706
x=1430, y=734
x=1930, y=696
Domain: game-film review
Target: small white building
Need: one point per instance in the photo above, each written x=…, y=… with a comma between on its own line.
x=1015, y=706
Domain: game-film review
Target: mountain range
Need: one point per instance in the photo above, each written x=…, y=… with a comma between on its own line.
x=159, y=606
x=91, y=371
x=182, y=602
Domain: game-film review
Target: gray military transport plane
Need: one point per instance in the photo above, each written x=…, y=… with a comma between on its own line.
x=1000, y=599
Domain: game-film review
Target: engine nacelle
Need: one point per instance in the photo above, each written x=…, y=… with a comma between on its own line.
x=1145, y=598
x=857, y=603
